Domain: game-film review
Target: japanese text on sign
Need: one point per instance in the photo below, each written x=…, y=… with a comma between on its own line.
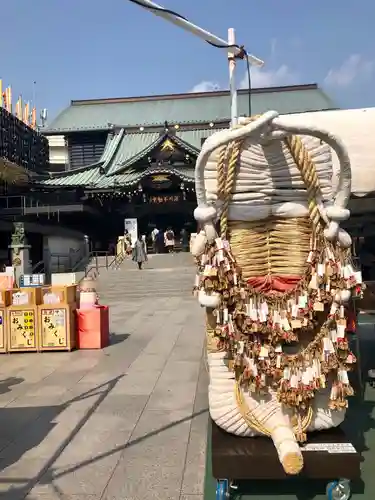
x=164, y=199
x=22, y=328
x=330, y=447
x=53, y=328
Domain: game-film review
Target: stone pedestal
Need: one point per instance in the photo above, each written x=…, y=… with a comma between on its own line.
x=20, y=251
x=20, y=260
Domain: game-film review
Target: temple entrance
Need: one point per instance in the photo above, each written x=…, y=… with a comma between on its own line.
x=159, y=193
x=176, y=220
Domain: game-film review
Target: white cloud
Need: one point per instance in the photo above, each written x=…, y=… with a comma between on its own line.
x=356, y=67
x=205, y=86
x=259, y=78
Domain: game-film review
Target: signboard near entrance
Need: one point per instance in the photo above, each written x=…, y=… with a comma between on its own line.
x=131, y=225
x=165, y=199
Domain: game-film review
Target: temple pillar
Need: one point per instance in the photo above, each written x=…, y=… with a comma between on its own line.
x=20, y=251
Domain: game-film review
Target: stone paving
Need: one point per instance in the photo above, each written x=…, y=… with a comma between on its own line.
x=125, y=423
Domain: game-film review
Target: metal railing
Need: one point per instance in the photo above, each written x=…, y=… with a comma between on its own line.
x=93, y=261
x=61, y=261
x=104, y=260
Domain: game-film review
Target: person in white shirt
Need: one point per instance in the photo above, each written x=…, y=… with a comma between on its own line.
x=154, y=233
x=169, y=240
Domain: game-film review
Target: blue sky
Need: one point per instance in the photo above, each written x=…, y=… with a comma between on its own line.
x=76, y=49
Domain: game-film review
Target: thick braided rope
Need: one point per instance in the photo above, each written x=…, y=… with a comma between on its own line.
x=309, y=176
x=221, y=172
x=231, y=177
x=305, y=166
x=256, y=424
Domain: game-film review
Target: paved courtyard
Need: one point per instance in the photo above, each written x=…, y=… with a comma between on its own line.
x=125, y=423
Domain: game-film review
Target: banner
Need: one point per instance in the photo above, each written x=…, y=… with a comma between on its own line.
x=33, y=118
x=26, y=114
x=131, y=225
x=8, y=96
x=18, y=109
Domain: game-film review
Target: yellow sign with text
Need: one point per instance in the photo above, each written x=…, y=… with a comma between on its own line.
x=53, y=328
x=22, y=329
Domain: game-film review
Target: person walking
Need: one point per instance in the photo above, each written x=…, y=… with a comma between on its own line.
x=139, y=254
x=169, y=240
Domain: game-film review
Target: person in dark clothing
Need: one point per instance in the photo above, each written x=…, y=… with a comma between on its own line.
x=184, y=235
x=159, y=241
x=139, y=253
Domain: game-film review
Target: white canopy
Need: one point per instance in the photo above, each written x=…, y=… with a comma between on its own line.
x=356, y=129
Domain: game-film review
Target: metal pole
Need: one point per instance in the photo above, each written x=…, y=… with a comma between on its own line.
x=183, y=23
x=232, y=78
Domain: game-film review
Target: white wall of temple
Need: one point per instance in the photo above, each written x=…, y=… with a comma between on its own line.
x=58, y=150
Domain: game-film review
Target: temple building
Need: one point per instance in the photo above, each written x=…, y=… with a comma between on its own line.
x=134, y=157
x=131, y=158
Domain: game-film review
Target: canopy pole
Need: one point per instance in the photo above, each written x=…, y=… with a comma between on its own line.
x=232, y=77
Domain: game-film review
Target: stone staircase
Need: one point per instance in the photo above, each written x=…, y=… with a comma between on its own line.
x=163, y=276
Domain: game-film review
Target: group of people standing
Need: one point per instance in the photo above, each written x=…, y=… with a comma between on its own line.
x=162, y=241
x=165, y=241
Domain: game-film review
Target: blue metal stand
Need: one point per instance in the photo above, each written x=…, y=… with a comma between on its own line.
x=222, y=489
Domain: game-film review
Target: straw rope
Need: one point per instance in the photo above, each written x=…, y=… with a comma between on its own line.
x=245, y=411
x=303, y=162
x=274, y=246
x=309, y=176
x=221, y=172
x=230, y=179
x=256, y=424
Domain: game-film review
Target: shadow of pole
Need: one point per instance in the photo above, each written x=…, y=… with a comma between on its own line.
x=128, y=444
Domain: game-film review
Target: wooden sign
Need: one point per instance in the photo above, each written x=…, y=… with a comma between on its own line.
x=53, y=328
x=22, y=329
x=158, y=181
x=160, y=178
x=165, y=199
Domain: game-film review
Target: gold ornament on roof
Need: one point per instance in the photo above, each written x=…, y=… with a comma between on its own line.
x=167, y=146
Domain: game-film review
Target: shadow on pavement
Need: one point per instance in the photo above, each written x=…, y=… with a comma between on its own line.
x=14, y=421
x=117, y=338
x=42, y=421
x=6, y=384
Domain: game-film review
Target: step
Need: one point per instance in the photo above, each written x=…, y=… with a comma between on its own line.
x=163, y=276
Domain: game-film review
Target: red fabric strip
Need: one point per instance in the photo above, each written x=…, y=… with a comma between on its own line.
x=274, y=284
